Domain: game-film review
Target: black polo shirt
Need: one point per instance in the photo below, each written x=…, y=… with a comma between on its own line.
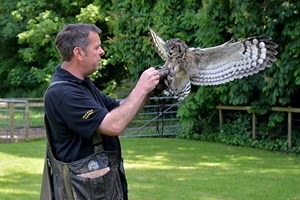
x=74, y=111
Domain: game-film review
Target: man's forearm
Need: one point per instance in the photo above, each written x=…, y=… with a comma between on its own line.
x=118, y=119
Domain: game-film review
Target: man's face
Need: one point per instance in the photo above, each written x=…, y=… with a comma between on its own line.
x=93, y=53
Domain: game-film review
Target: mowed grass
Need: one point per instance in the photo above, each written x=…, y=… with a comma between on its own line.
x=170, y=169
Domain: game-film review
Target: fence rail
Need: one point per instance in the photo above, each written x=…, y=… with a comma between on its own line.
x=288, y=110
x=9, y=106
x=157, y=118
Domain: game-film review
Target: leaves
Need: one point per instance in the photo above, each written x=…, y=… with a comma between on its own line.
x=29, y=28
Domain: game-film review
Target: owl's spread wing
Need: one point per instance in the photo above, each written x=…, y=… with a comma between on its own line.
x=231, y=60
x=159, y=45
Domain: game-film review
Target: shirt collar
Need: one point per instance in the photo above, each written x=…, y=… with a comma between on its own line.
x=61, y=74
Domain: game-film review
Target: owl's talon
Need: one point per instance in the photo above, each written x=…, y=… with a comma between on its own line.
x=176, y=69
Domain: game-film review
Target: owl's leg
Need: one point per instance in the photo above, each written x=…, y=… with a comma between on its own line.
x=162, y=85
x=168, y=82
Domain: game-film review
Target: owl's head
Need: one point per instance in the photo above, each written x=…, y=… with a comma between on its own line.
x=176, y=48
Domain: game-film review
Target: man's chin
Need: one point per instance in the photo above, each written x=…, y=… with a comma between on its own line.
x=97, y=66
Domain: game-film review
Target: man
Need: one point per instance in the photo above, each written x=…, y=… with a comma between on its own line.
x=74, y=113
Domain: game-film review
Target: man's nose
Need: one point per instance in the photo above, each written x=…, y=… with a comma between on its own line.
x=102, y=52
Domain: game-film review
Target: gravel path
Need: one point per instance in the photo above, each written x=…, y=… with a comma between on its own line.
x=20, y=134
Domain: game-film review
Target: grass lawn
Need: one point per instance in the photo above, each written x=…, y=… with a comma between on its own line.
x=170, y=169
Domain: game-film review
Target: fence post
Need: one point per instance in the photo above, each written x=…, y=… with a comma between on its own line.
x=289, y=130
x=253, y=126
x=11, y=106
x=220, y=118
x=27, y=119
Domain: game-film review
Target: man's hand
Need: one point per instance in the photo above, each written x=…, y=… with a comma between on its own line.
x=161, y=86
x=119, y=118
x=148, y=80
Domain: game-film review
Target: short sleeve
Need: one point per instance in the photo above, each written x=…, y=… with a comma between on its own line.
x=81, y=113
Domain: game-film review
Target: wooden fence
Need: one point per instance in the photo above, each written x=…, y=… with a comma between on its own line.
x=10, y=107
x=288, y=110
x=158, y=117
x=26, y=104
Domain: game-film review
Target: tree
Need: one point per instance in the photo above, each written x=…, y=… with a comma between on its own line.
x=28, y=55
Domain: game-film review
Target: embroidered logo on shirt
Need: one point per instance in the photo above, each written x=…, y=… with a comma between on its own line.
x=87, y=114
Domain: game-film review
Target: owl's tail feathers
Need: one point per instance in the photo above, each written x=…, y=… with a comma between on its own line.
x=185, y=92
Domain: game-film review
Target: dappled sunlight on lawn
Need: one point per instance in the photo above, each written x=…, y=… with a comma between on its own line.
x=243, y=158
x=171, y=168
x=18, y=192
x=273, y=171
x=167, y=169
x=22, y=185
x=210, y=164
x=21, y=167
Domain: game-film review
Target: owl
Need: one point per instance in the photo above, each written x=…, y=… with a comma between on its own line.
x=211, y=66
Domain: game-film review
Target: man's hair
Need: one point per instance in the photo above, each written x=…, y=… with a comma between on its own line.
x=74, y=35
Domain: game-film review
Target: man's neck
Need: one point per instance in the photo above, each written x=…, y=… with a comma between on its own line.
x=71, y=68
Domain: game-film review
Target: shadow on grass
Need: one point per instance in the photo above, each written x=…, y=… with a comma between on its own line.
x=20, y=186
x=31, y=149
x=159, y=168
x=181, y=169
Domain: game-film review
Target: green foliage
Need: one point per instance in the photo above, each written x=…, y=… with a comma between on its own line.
x=28, y=56
x=237, y=131
x=276, y=86
x=29, y=29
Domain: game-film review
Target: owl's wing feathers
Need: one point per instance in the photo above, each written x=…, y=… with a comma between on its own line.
x=159, y=44
x=231, y=60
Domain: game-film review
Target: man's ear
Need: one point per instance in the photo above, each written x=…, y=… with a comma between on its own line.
x=78, y=53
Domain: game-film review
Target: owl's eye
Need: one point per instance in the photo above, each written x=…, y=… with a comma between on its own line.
x=174, y=47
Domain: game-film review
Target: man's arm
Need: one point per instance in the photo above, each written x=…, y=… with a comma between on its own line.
x=118, y=119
